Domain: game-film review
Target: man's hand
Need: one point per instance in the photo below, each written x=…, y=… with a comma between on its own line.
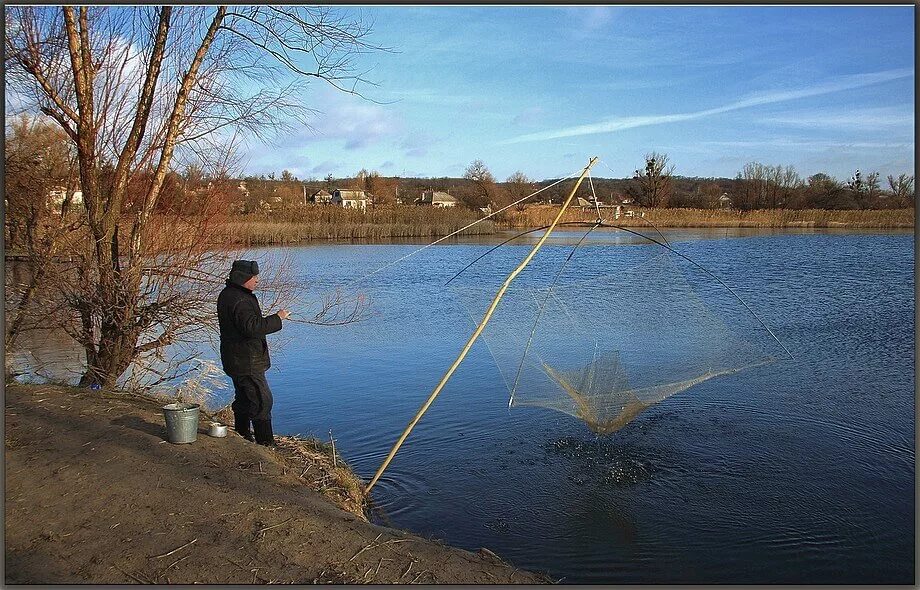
x=284, y=314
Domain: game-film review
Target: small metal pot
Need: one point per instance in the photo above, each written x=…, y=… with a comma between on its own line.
x=217, y=430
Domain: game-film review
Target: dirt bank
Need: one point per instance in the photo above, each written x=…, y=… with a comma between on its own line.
x=94, y=494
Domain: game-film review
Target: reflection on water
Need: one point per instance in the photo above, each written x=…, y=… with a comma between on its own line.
x=796, y=472
x=47, y=355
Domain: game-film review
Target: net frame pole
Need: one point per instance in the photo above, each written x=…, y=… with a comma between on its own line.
x=480, y=327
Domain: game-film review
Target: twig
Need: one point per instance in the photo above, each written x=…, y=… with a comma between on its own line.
x=374, y=546
x=365, y=548
x=176, y=549
x=136, y=579
x=382, y=559
x=275, y=525
x=175, y=562
x=405, y=573
x=334, y=463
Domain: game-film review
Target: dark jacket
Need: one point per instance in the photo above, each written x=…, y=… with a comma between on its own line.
x=243, y=348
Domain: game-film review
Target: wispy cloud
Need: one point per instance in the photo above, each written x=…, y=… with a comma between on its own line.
x=614, y=124
x=327, y=167
x=588, y=19
x=812, y=145
x=416, y=145
x=868, y=119
x=529, y=116
x=347, y=119
x=430, y=96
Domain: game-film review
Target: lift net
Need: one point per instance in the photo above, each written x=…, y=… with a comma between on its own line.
x=604, y=331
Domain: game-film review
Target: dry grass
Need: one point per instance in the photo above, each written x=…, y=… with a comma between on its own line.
x=335, y=223
x=313, y=462
x=541, y=215
x=325, y=471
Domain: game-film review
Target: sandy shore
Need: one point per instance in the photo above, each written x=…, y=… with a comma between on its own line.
x=95, y=494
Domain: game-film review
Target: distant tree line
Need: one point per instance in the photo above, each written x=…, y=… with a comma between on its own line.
x=756, y=186
x=39, y=159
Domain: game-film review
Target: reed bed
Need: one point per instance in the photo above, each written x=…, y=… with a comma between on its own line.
x=334, y=223
x=541, y=215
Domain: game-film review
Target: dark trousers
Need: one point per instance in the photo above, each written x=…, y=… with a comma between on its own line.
x=252, y=405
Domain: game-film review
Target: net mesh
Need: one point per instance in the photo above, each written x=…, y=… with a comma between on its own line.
x=603, y=332
x=599, y=328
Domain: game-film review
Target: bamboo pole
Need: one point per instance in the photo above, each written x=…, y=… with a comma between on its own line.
x=479, y=328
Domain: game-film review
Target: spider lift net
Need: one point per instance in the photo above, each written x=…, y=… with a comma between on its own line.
x=602, y=332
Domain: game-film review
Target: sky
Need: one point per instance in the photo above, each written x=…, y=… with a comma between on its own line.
x=541, y=89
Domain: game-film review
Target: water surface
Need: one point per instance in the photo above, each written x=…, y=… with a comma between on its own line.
x=800, y=471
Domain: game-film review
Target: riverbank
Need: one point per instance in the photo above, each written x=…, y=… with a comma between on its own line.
x=95, y=494
x=542, y=215
x=308, y=223
x=426, y=223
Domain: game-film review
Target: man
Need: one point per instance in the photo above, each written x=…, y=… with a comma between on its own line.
x=244, y=351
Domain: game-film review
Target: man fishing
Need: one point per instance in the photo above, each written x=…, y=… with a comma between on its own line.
x=244, y=351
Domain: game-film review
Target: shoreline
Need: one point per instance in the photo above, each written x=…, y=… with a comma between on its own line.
x=95, y=494
x=278, y=231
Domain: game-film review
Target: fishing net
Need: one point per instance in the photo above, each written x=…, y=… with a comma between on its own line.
x=599, y=328
x=602, y=332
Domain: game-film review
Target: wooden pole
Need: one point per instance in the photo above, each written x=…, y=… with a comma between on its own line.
x=479, y=328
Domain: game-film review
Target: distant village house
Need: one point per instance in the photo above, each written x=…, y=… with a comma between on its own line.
x=350, y=199
x=437, y=199
x=321, y=197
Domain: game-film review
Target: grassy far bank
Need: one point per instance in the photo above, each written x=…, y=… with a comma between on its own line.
x=95, y=494
x=329, y=223
x=541, y=215
x=335, y=223
x=309, y=223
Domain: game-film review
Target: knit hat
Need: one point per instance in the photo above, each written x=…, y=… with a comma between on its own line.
x=243, y=270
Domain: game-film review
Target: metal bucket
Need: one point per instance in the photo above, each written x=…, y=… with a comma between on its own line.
x=181, y=422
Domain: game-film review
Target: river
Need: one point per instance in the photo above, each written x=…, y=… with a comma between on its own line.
x=799, y=471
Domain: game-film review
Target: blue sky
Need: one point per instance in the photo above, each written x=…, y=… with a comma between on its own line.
x=541, y=89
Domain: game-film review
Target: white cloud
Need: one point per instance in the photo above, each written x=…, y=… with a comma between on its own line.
x=614, y=124
x=351, y=120
x=868, y=119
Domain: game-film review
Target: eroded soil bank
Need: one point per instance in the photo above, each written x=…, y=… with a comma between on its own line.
x=95, y=494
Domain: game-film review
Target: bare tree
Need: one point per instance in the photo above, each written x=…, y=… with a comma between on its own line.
x=519, y=186
x=653, y=184
x=383, y=190
x=139, y=90
x=486, y=192
x=823, y=192
x=902, y=189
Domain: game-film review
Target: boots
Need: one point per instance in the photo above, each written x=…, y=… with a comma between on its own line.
x=241, y=425
x=263, y=430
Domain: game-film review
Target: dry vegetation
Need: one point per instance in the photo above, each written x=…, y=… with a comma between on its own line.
x=333, y=223
x=301, y=224
x=320, y=467
x=541, y=215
